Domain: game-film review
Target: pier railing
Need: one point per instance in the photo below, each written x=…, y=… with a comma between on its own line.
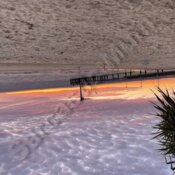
x=121, y=76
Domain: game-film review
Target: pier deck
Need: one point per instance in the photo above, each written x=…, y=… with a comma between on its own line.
x=121, y=76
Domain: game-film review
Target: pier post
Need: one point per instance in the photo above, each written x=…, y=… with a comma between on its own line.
x=130, y=72
x=125, y=73
x=81, y=93
x=140, y=78
x=112, y=76
x=145, y=71
x=126, y=85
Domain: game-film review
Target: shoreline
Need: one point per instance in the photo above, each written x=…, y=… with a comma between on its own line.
x=40, y=85
x=33, y=85
x=19, y=77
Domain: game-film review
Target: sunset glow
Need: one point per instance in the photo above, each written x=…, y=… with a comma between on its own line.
x=120, y=90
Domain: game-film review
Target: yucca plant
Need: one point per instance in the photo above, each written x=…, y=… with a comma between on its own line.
x=165, y=129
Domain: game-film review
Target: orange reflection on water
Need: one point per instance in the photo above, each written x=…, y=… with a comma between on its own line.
x=119, y=90
x=135, y=89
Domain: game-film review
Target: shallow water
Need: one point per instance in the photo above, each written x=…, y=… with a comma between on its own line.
x=108, y=134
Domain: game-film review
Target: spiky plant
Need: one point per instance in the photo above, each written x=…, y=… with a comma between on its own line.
x=165, y=129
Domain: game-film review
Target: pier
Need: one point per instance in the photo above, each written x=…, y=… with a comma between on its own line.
x=122, y=76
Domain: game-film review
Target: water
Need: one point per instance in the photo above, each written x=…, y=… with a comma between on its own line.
x=108, y=134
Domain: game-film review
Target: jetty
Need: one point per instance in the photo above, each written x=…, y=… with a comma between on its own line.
x=122, y=76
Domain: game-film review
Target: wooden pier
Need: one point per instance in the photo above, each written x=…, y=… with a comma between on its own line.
x=121, y=76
